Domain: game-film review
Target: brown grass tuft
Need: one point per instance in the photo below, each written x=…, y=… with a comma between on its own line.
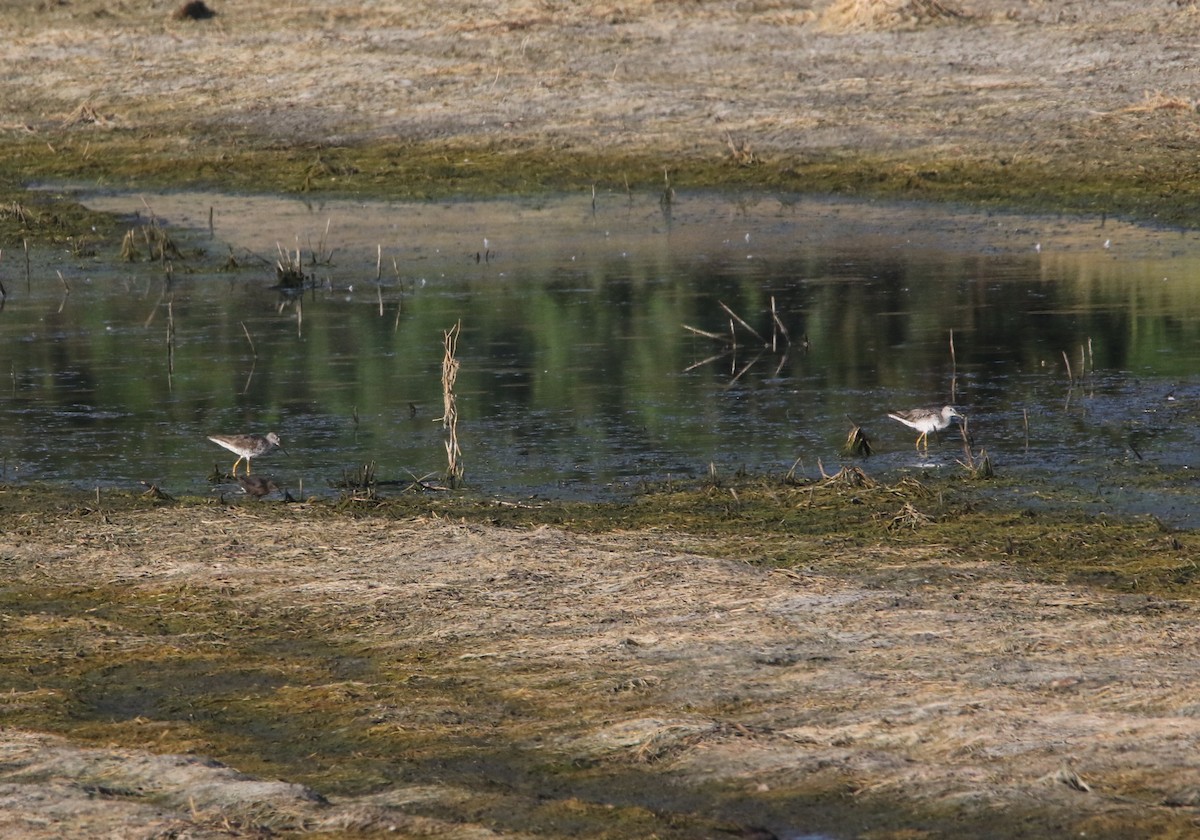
x=887, y=14
x=1159, y=101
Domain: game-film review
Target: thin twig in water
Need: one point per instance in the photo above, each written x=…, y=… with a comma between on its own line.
x=170, y=342
x=703, y=362
x=250, y=340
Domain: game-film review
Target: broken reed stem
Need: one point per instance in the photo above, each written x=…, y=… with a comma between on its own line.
x=378, y=263
x=1067, y=362
x=170, y=341
x=738, y=318
x=450, y=367
x=705, y=333
x=668, y=195
x=953, y=371
x=779, y=327
x=249, y=340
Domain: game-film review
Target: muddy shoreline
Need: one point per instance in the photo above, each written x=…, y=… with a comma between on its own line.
x=205, y=670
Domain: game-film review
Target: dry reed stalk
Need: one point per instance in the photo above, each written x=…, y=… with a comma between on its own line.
x=450, y=367
x=1067, y=362
x=740, y=320
x=791, y=473
x=705, y=333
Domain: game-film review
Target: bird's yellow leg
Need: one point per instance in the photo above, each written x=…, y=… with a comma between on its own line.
x=235, y=463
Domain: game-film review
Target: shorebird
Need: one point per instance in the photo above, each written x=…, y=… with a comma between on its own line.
x=248, y=446
x=926, y=420
x=257, y=486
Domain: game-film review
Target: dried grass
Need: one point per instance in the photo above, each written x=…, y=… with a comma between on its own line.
x=975, y=679
x=1158, y=101
x=847, y=478
x=847, y=15
x=86, y=114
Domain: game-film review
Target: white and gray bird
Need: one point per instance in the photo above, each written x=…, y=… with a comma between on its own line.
x=926, y=420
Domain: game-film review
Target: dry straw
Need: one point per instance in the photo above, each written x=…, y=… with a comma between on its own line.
x=450, y=365
x=887, y=14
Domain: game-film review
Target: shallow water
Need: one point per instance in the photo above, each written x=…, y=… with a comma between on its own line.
x=579, y=374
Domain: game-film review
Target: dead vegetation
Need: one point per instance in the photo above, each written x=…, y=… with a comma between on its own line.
x=888, y=14
x=638, y=655
x=158, y=244
x=1153, y=101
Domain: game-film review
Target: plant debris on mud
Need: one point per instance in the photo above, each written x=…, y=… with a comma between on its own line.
x=789, y=650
